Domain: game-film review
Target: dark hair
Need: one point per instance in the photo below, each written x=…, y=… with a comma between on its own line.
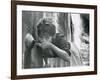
x=46, y=27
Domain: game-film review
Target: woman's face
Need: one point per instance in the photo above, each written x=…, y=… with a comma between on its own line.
x=45, y=38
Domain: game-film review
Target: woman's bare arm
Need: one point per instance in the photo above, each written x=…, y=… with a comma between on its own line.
x=61, y=53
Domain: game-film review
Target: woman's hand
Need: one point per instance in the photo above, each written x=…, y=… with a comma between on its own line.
x=45, y=45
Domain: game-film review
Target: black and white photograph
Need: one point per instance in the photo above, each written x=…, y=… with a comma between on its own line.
x=52, y=39
x=55, y=39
